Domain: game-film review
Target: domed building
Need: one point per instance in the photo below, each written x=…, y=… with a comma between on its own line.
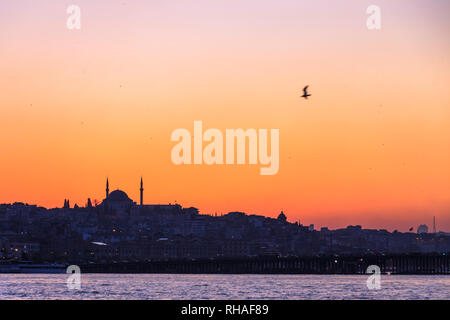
x=118, y=202
x=282, y=217
x=119, y=199
x=423, y=228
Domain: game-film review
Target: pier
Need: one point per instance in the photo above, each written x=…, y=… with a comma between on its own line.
x=417, y=264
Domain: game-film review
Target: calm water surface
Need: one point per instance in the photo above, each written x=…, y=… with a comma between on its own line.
x=222, y=287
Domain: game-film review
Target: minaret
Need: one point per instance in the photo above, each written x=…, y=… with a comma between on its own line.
x=142, y=192
x=107, y=188
x=434, y=224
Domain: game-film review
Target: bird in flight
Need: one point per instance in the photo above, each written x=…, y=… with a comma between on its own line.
x=305, y=93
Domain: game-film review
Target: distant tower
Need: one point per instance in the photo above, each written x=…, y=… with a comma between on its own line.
x=434, y=224
x=107, y=188
x=142, y=192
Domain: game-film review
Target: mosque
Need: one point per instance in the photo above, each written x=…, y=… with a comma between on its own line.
x=118, y=203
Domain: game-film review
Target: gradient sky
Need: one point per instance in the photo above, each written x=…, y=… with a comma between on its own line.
x=371, y=147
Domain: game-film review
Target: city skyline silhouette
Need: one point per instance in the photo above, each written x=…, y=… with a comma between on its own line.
x=365, y=148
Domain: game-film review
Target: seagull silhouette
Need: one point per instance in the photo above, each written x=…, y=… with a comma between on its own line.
x=305, y=93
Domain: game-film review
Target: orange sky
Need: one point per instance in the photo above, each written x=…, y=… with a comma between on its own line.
x=370, y=147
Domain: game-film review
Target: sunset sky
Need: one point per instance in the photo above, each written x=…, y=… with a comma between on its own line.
x=370, y=147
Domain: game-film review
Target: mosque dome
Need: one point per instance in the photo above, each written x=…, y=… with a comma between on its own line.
x=118, y=195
